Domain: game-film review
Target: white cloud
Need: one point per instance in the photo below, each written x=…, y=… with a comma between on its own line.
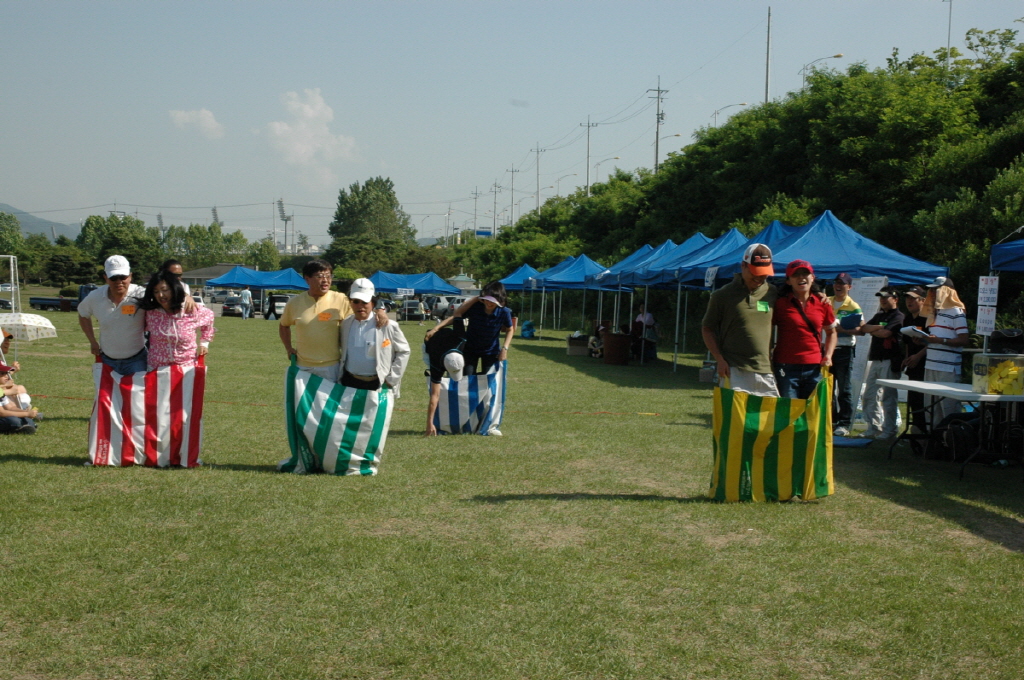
x=306, y=141
x=203, y=119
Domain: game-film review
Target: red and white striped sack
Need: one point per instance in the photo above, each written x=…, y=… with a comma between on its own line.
x=153, y=418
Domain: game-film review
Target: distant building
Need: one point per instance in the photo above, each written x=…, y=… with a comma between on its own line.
x=465, y=284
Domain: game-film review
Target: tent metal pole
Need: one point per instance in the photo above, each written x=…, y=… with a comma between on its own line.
x=686, y=315
x=543, y=300
x=583, y=311
x=675, y=353
x=643, y=330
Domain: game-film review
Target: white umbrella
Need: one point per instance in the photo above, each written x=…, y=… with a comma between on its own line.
x=27, y=327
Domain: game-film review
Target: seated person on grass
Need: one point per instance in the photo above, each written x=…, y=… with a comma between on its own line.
x=14, y=420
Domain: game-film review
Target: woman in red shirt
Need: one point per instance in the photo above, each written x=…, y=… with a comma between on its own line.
x=800, y=315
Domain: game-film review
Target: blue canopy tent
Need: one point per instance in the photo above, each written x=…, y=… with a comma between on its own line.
x=828, y=244
x=613, y=274
x=517, y=279
x=569, y=274
x=1007, y=257
x=421, y=284
x=283, y=279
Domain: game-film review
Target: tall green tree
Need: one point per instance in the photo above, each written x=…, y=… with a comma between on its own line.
x=371, y=211
x=10, y=234
x=263, y=255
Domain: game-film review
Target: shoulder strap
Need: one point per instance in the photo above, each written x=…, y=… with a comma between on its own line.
x=816, y=333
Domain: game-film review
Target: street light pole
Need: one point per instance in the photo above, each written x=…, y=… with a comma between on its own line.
x=717, y=111
x=597, y=166
x=558, y=183
x=656, y=164
x=803, y=71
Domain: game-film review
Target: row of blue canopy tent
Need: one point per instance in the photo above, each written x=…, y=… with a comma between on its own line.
x=700, y=263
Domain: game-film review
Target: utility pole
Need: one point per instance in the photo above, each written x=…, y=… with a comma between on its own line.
x=539, y=151
x=495, y=190
x=659, y=118
x=476, y=195
x=588, y=125
x=512, y=208
x=768, y=57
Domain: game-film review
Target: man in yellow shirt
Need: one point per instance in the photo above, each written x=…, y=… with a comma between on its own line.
x=316, y=315
x=842, y=358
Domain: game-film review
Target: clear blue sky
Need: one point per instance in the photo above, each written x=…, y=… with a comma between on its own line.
x=176, y=107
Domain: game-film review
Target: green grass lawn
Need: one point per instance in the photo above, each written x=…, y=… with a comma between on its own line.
x=579, y=545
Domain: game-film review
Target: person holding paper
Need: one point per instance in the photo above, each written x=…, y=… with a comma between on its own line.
x=850, y=317
x=915, y=349
x=885, y=357
x=948, y=335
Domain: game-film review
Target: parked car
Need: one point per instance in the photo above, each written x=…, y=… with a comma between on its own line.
x=5, y=304
x=220, y=296
x=275, y=305
x=232, y=307
x=439, y=306
x=5, y=287
x=412, y=310
x=453, y=304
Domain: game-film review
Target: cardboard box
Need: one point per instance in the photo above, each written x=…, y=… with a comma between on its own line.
x=577, y=347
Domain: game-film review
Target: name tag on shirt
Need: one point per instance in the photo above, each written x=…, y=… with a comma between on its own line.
x=763, y=306
x=128, y=309
x=324, y=316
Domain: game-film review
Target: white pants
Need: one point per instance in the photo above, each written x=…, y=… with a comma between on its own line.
x=326, y=372
x=758, y=384
x=880, y=404
x=946, y=406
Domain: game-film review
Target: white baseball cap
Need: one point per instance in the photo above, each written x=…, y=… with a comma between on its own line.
x=454, y=363
x=362, y=290
x=117, y=265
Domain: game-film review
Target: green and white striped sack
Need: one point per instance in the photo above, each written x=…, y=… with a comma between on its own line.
x=332, y=428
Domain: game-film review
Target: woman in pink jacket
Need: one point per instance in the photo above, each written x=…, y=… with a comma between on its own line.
x=172, y=331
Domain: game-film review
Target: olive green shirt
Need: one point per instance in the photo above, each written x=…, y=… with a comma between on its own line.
x=741, y=320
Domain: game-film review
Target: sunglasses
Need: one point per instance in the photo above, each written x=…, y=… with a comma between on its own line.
x=119, y=277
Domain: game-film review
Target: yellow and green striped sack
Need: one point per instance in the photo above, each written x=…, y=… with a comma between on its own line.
x=772, y=449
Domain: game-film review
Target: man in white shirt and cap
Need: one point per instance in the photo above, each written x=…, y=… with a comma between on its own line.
x=372, y=358
x=122, y=342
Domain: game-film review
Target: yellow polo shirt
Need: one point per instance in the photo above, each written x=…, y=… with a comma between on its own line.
x=315, y=336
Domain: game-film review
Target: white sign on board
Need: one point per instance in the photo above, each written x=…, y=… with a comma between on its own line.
x=986, y=320
x=406, y=292
x=988, y=291
x=709, y=277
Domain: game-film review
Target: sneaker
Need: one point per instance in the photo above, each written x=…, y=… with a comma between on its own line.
x=494, y=432
x=26, y=429
x=841, y=431
x=868, y=434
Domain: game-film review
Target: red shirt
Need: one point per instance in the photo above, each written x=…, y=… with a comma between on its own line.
x=795, y=343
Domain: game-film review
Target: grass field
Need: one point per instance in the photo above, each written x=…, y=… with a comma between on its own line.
x=579, y=545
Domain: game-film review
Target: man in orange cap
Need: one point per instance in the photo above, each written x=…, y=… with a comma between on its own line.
x=737, y=327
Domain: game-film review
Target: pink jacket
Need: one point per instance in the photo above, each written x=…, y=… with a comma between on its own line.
x=172, y=338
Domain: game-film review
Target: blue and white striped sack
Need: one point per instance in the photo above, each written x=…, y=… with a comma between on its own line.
x=473, y=405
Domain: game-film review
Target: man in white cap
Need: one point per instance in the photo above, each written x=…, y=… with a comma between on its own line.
x=443, y=352
x=737, y=327
x=372, y=358
x=122, y=343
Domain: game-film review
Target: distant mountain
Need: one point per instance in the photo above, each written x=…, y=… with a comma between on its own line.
x=30, y=224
